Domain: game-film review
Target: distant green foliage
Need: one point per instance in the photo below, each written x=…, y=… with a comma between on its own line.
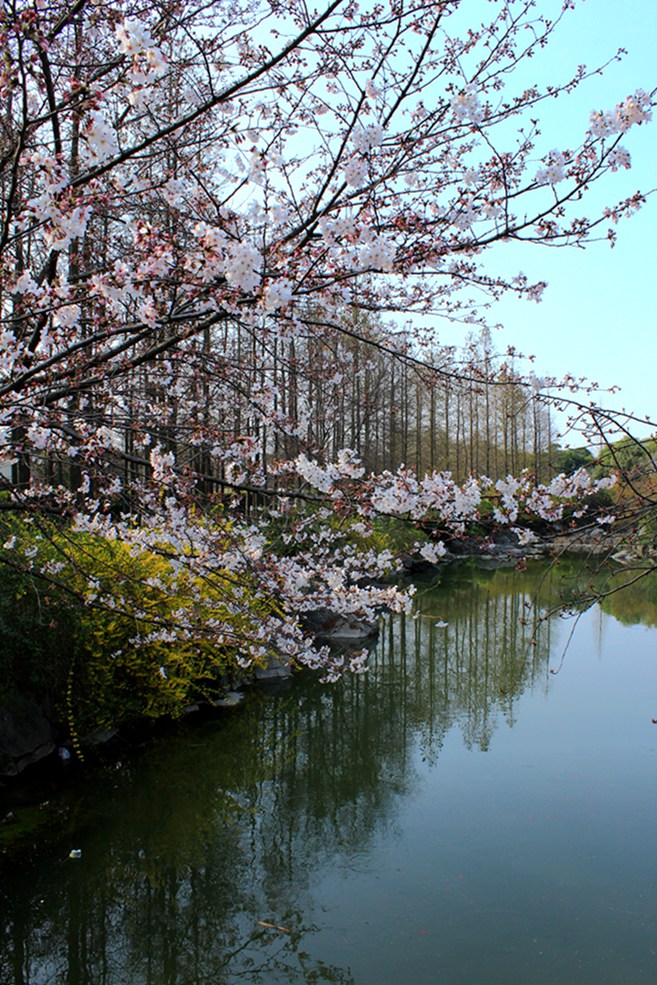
x=382, y=533
x=398, y=536
x=568, y=460
x=628, y=455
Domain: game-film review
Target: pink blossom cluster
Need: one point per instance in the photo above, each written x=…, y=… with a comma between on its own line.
x=554, y=170
x=466, y=105
x=634, y=110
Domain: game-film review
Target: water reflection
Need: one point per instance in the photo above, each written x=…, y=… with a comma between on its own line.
x=476, y=642
x=191, y=849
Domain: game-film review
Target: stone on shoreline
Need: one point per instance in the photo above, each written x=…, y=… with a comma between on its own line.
x=26, y=735
x=326, y=625
x=274, y=671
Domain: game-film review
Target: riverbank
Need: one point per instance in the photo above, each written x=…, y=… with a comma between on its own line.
x=31, y=732
x=456, y=809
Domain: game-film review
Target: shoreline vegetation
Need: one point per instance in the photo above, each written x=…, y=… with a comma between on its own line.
x=72, y=682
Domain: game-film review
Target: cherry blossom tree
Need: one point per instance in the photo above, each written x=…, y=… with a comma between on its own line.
x=198, y=199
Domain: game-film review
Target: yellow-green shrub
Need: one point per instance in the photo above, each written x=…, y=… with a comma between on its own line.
x=133, y=633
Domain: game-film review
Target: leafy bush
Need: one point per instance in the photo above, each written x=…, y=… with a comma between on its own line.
x=101, y=632
x=37, y=626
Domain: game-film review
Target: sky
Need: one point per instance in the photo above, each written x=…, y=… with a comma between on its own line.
x=598, y=317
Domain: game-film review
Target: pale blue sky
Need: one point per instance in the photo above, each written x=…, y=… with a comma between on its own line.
x=599, y=315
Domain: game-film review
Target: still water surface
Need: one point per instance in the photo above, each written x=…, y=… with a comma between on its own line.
x=463, y=815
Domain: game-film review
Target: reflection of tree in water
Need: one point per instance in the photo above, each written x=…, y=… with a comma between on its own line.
x=190, y=847
x=635, y=606
x=171, y=887
x=475, y=643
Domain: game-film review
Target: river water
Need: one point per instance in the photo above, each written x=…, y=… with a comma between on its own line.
x=480, y=808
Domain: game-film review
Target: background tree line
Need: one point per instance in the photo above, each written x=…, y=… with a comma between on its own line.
x=466, y=412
